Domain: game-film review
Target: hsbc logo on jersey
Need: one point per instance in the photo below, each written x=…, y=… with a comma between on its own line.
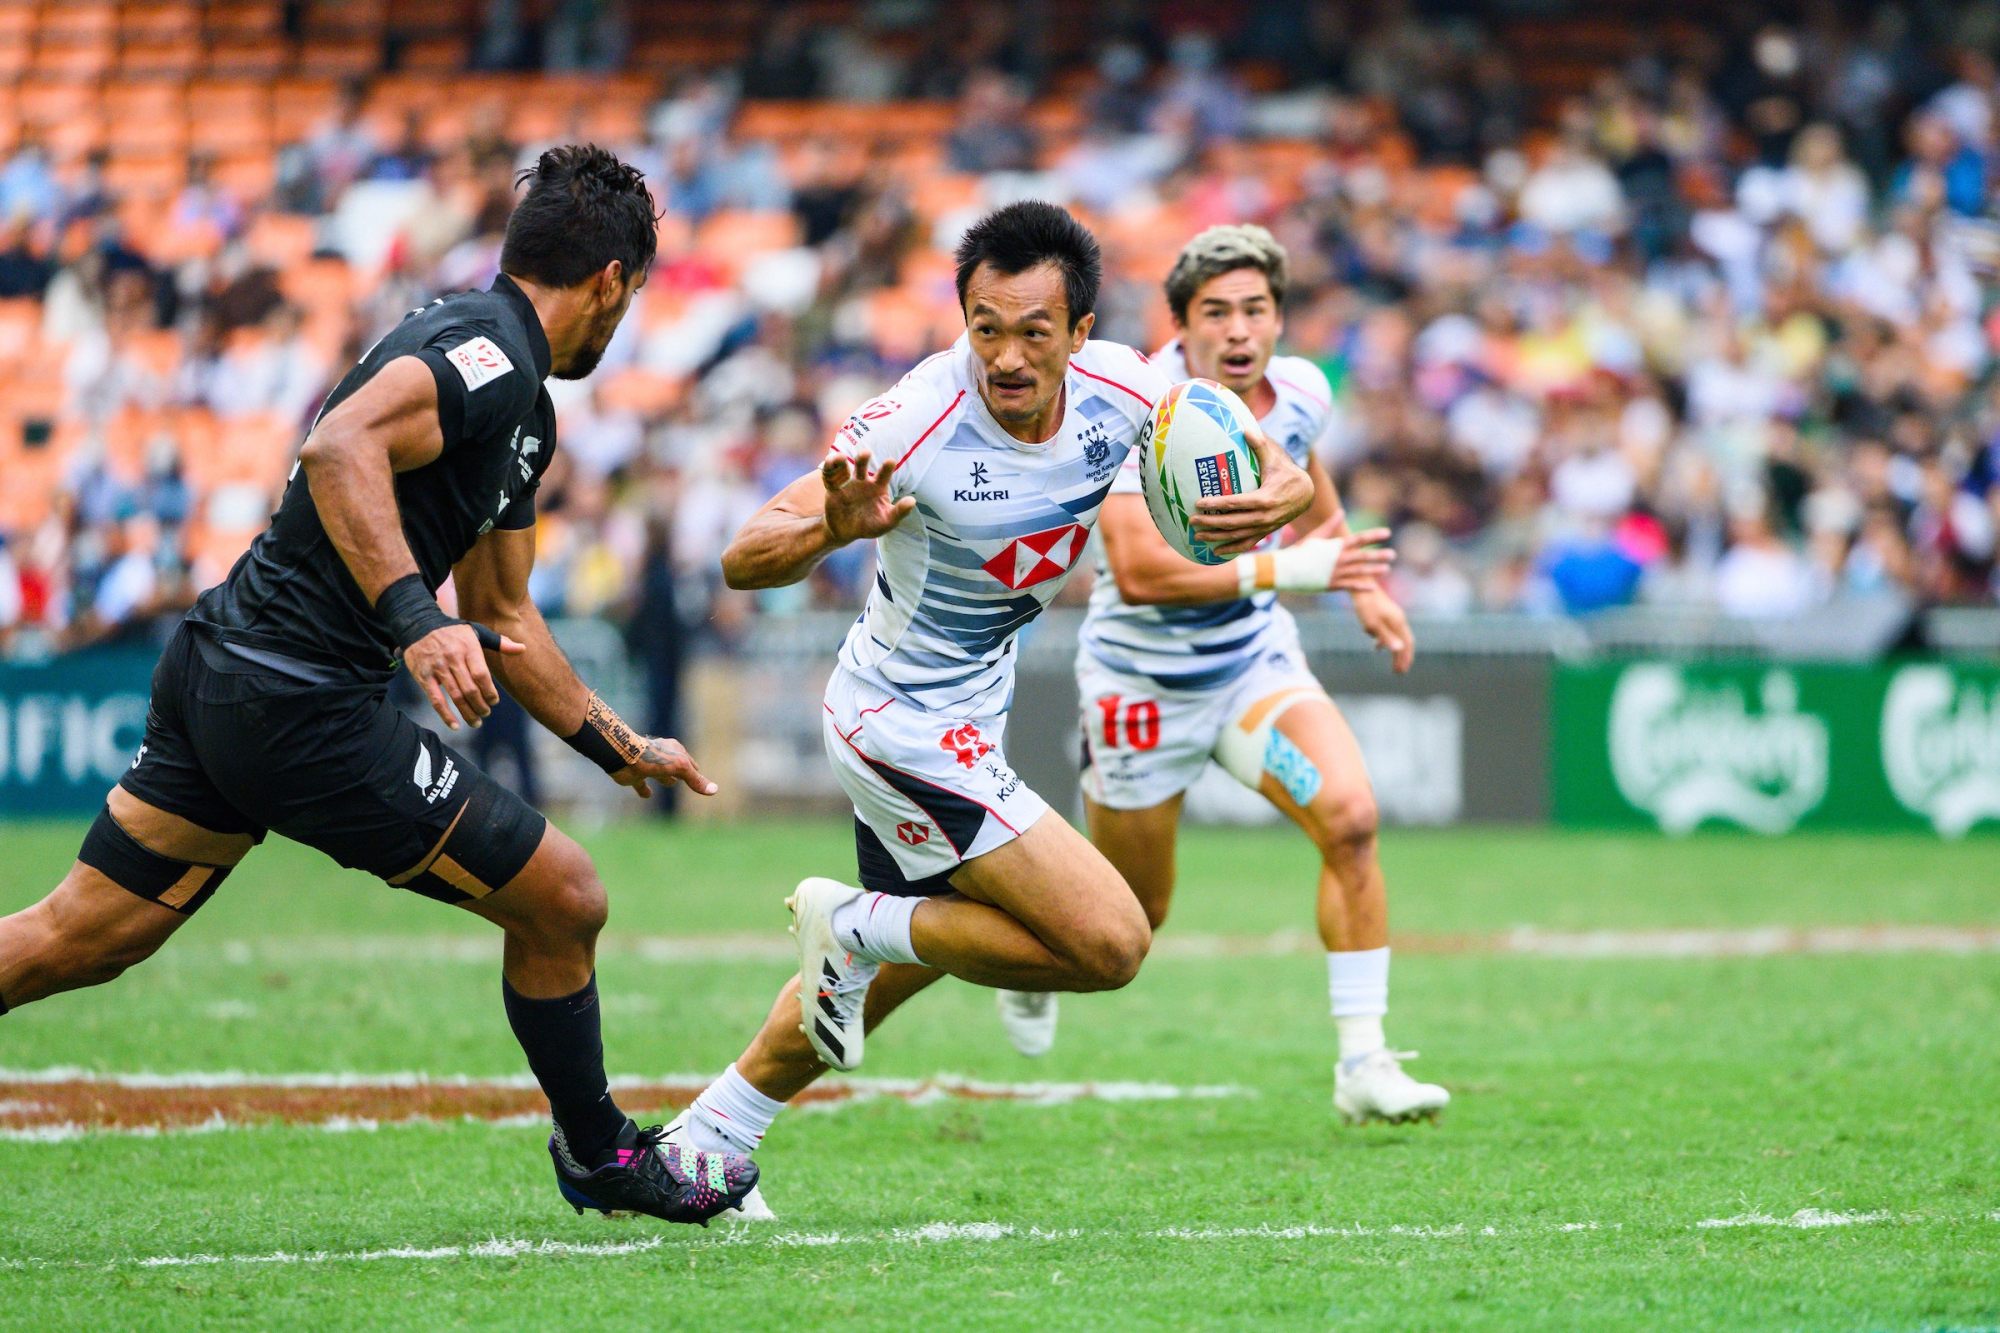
x=1039, y=556
x=966, y=745
x=478, y=362
x=916, y=835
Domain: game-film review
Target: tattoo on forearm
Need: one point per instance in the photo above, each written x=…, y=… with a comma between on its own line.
x=604, y=738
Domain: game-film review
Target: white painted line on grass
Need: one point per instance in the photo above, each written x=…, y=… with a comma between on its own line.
x=1805, y=1219
x=940, y=1233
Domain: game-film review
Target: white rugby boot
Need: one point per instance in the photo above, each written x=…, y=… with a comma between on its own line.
x=1374, y=1087
x=1030, y=1019
x=753, y=1208
x=833, y=983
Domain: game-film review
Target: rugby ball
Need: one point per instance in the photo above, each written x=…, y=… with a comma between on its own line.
x=1193, y=446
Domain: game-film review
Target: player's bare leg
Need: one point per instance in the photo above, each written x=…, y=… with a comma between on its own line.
x=1044, y=911
x=89, y=929
x=1323, y=787
x=1140, y=845
x=733, y=1113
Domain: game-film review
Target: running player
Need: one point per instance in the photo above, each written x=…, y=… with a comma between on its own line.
x=996, y=456
x=1181, y=663
x=269, y=705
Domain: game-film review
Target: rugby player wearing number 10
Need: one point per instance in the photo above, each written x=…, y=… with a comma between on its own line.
x=1181, y=663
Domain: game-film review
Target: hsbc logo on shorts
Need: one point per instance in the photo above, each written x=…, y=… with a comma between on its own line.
x=916, y=835
x=1039, y=556
x=966, y=745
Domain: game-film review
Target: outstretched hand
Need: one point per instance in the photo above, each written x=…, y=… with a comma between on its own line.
x=665, y=761
x=858, y=503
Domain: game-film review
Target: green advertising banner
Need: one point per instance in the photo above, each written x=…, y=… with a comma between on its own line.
x=69, y=727
x=1771, y=747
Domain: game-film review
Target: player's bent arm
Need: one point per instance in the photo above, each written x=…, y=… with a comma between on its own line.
x=1151, y=573
x=783, y=541
x=812, y=518
x=492, y=583
x=1327, y=517
x=350, y=462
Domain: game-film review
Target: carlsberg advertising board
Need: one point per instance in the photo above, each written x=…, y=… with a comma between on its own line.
x=1771, y=747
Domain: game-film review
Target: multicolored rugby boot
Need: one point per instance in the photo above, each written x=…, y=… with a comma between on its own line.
x=642, y=1172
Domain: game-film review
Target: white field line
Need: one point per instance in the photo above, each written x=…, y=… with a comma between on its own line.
x=935, y=1233
x=1522, y=941
x=1805, y=1219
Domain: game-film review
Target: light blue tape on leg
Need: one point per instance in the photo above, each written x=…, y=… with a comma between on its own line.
x=1286, y=762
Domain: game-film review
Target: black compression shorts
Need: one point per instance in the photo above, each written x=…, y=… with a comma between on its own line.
x=237, y=747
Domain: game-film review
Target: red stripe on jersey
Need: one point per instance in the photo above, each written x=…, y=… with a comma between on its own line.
x=1297, y=389
x=933, y=426
x=1113, y=383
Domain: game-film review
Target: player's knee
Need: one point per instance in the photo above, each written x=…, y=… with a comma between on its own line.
x=572, y=906
x=1345, y=823
x=1107, y=954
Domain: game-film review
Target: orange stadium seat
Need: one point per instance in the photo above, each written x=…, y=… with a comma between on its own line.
x=318, y=283
x=78, y=23
x=250, y=175
x=74, y=62
x=159, y=24
x=74, y=135
x=173, y=58
x=150, y=174
x=46, y=102
x=299, y=104
x=236, y=20
x=645, y=393
x=438, y=55
x=142, y=100
x=248, y=57
x=733, y=236
x=340, y=57
x=244, y=99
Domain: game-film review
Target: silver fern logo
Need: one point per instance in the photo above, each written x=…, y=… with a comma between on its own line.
x=1941, y=747
x=1688, y=752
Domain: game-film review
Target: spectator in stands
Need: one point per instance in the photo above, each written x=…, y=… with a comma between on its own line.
x=992, y=133
x=28, y=185
x=25, y=267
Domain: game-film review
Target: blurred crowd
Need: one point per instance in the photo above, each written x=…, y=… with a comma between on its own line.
x=1713, y=332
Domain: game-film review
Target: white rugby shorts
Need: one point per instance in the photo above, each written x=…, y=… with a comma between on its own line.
x=930, y=791
x=1143, y=745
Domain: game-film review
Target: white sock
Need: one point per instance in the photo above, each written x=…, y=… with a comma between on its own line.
x=876, y=927
x=1358, y=982
x=730, y=1115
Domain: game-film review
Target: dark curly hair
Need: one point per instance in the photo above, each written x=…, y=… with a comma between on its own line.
x=584, y=208
x=1020, y=236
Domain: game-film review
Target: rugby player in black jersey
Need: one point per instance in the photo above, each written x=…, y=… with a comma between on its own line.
x=269, y=705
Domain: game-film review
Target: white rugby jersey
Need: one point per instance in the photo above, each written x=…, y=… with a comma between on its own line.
x=998, y=525
x=1195, y=648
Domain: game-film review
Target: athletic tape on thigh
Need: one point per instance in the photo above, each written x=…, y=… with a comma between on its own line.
x=488, y=842
x=121, y=858
x=1249, y=746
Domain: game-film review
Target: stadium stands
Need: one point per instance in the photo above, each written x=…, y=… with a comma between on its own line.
x=1700, y=301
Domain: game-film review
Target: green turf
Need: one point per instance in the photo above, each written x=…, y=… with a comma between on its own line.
x=1639, y=1096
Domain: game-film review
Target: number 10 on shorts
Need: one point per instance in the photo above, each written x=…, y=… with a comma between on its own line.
x=1141, y=720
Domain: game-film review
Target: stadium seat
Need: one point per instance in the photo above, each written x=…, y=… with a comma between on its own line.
x=159, y=24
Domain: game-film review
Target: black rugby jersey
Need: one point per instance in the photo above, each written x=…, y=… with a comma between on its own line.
x=291, y=593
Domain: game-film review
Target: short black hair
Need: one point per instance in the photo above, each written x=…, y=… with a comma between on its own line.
x=1020, y=236
x=584, y=208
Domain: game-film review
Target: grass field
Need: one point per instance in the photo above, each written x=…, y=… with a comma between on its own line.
x=1794, y=1140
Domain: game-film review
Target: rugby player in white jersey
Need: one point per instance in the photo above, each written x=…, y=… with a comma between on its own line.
x=995, y=456
x=1180, y=663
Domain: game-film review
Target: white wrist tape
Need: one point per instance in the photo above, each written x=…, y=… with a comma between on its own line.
x=1305, y=566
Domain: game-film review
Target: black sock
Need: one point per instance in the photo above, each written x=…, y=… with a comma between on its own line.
x=565, y=1047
